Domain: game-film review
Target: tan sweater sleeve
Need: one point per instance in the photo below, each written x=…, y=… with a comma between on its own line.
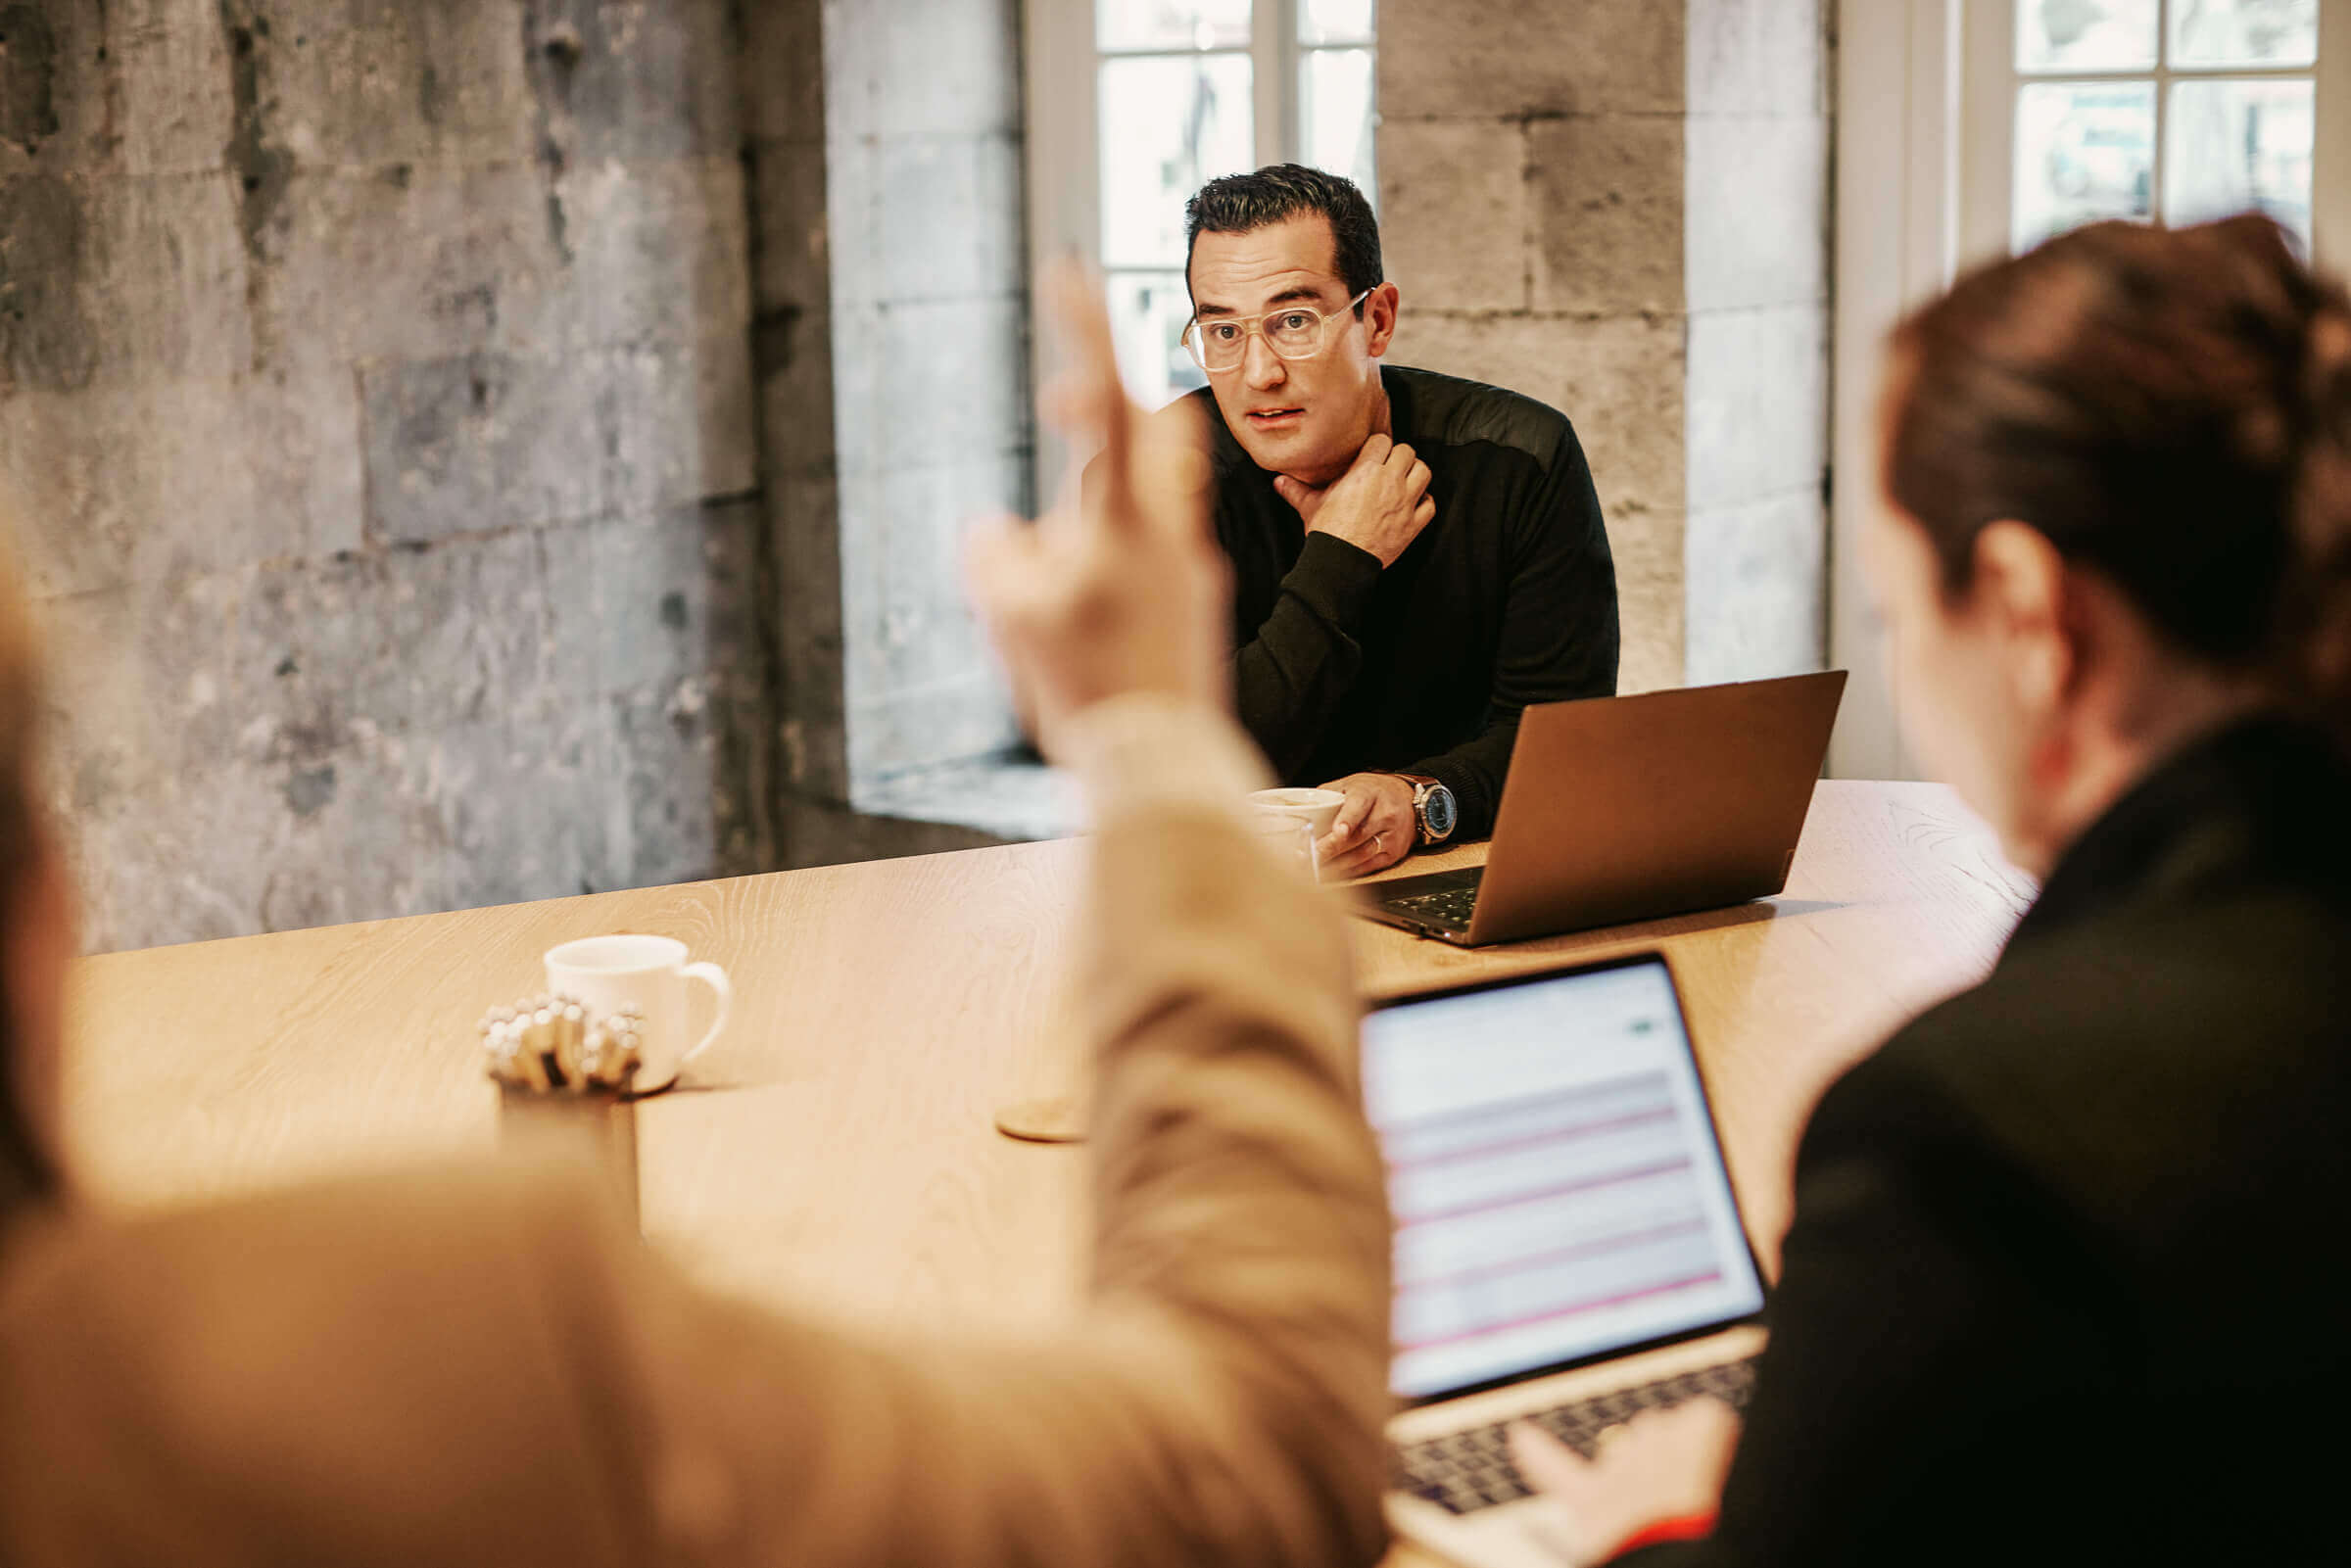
x=1221, y=1399
x=483, y=1367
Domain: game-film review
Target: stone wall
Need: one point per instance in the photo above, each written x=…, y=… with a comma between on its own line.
x=374, y=394
x=1570, y=210
x=1531, y=159
x=474, y=449
x=1756, y=157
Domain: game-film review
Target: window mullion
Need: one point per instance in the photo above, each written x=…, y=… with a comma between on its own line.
x=2330, y=94
x=1988, y=91
x=1290, y=61
x=1274, y=94
x=2158, y=209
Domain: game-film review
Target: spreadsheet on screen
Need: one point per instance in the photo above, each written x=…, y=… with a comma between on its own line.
x=1557, y=1188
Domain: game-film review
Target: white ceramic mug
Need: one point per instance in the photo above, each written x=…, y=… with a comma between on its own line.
x=1318, y=806
x=648, y=973
x=1291, y=838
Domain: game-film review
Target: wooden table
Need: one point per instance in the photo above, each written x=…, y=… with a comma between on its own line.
x=838, y=1150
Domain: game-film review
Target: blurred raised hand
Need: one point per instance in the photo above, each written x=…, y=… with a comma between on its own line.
x=1120, y=589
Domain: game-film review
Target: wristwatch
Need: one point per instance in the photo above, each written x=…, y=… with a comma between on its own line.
x=1433, y=808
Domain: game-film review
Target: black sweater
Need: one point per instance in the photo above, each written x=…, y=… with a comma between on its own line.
x=2067, y=1280
x=1508, y=597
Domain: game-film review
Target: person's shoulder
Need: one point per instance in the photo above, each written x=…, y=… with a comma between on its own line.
x=1195, y=416
x=2095, y=1060
x=1194, y=410
x=1455, y=412
x=1190, y=420
x=2148, y=985
x=425, y=1328
x=393, y=1267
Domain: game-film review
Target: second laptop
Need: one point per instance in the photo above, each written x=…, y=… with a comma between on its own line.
x=1627, y=808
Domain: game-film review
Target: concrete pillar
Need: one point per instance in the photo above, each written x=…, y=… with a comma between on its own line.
x=889, y=348
x=929, y=283
x=1569, y=212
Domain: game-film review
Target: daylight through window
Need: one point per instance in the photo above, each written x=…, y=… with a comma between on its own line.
x=1178, y=101
x=2176, y=109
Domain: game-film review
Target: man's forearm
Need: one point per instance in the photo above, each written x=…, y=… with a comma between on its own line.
x=1474, y=772
x=1291, y=678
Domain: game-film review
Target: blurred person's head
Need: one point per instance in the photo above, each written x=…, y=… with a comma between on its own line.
x=1295, y=237
x=2119, y=470
x=36, y=918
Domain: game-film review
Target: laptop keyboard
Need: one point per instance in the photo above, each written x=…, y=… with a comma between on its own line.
x=1450, y=908
x=1463, y=1472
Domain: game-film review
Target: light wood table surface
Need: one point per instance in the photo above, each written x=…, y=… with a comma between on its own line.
x=837, y=1150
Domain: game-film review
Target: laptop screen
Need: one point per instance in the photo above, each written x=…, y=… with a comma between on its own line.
x=1557, y=1187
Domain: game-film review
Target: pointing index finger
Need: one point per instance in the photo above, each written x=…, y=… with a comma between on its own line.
x=1094, y=394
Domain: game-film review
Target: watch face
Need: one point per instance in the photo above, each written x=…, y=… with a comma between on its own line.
x=1439, y=809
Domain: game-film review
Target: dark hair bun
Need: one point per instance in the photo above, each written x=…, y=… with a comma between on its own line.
x=2170, y=407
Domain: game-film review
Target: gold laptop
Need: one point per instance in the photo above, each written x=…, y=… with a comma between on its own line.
x=1628, y=808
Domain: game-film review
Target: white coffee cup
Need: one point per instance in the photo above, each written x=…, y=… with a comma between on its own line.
x=648, y=973
x=1318, y=806
x=1290, y=838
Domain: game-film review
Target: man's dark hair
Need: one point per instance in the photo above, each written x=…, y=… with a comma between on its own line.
x=1238, y=204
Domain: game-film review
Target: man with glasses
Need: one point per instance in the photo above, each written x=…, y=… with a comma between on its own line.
x=1415, y=557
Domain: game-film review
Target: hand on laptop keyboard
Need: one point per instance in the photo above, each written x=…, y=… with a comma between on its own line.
x=1664, y=1464
x=1463, y=1472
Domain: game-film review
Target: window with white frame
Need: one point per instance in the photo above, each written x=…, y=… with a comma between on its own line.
x=1968, y=130
x=1180, y=92
x=2168, y=110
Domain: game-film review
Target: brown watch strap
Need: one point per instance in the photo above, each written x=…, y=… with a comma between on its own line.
x=1419, y=783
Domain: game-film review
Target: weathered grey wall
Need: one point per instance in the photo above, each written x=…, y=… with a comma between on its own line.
x=1757, y=272
x=930, y=403
x=1619, y=207
x=374, y=385
x=441, y=494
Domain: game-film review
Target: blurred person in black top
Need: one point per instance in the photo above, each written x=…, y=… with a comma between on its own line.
x=2066, y=1278
x=1415, y=557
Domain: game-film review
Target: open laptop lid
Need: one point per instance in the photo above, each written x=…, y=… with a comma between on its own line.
x=1628, y=808
x=1559, y=1187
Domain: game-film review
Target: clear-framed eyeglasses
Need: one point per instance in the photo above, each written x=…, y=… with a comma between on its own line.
x=1294, y=332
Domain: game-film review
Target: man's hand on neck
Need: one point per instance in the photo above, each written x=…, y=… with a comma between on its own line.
x=1379, y=504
